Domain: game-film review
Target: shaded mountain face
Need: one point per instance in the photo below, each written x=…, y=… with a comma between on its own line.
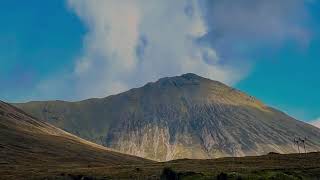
x=179, y=117
x=30, y=145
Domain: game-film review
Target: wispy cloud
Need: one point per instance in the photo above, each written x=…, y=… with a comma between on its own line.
x=131, y=42
x=243, y=25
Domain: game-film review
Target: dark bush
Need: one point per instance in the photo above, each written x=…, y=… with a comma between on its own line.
x=169, y=174
x=80, y=177
x=222, y=176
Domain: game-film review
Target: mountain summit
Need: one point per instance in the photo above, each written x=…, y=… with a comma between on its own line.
x=186, y=116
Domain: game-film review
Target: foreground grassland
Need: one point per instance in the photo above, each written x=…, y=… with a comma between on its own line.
x=272, y=166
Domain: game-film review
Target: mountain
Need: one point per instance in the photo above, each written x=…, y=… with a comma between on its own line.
x=32, y=149
x=186, y=116
x=29, y=146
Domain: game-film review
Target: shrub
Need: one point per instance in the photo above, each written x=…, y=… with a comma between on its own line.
x=222, y=176
x=168, y=174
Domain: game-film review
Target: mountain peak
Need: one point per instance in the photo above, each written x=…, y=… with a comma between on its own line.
x=184, y=80
x=186, y=77
x=185, y=116
x=194, y=89
x=191, y=76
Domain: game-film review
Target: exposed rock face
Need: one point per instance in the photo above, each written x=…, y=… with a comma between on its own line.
x=179, y=117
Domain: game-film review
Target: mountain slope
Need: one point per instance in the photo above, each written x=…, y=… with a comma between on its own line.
x=179, y=117
x=29, y=145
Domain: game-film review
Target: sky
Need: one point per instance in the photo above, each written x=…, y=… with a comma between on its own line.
x=78, y=49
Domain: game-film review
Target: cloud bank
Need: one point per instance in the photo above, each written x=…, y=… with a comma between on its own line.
x=131, y=42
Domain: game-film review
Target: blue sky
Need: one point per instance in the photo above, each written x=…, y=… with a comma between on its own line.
x=78, y=49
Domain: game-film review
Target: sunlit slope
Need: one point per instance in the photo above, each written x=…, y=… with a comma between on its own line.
x=179, y=117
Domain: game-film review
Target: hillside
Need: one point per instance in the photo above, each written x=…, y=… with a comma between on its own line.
x=186, y=116
x=30, y=147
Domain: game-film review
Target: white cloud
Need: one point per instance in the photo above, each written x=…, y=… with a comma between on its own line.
x=316, y=122
x=131, y=42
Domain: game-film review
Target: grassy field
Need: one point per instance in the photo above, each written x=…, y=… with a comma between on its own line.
x=272, y=166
